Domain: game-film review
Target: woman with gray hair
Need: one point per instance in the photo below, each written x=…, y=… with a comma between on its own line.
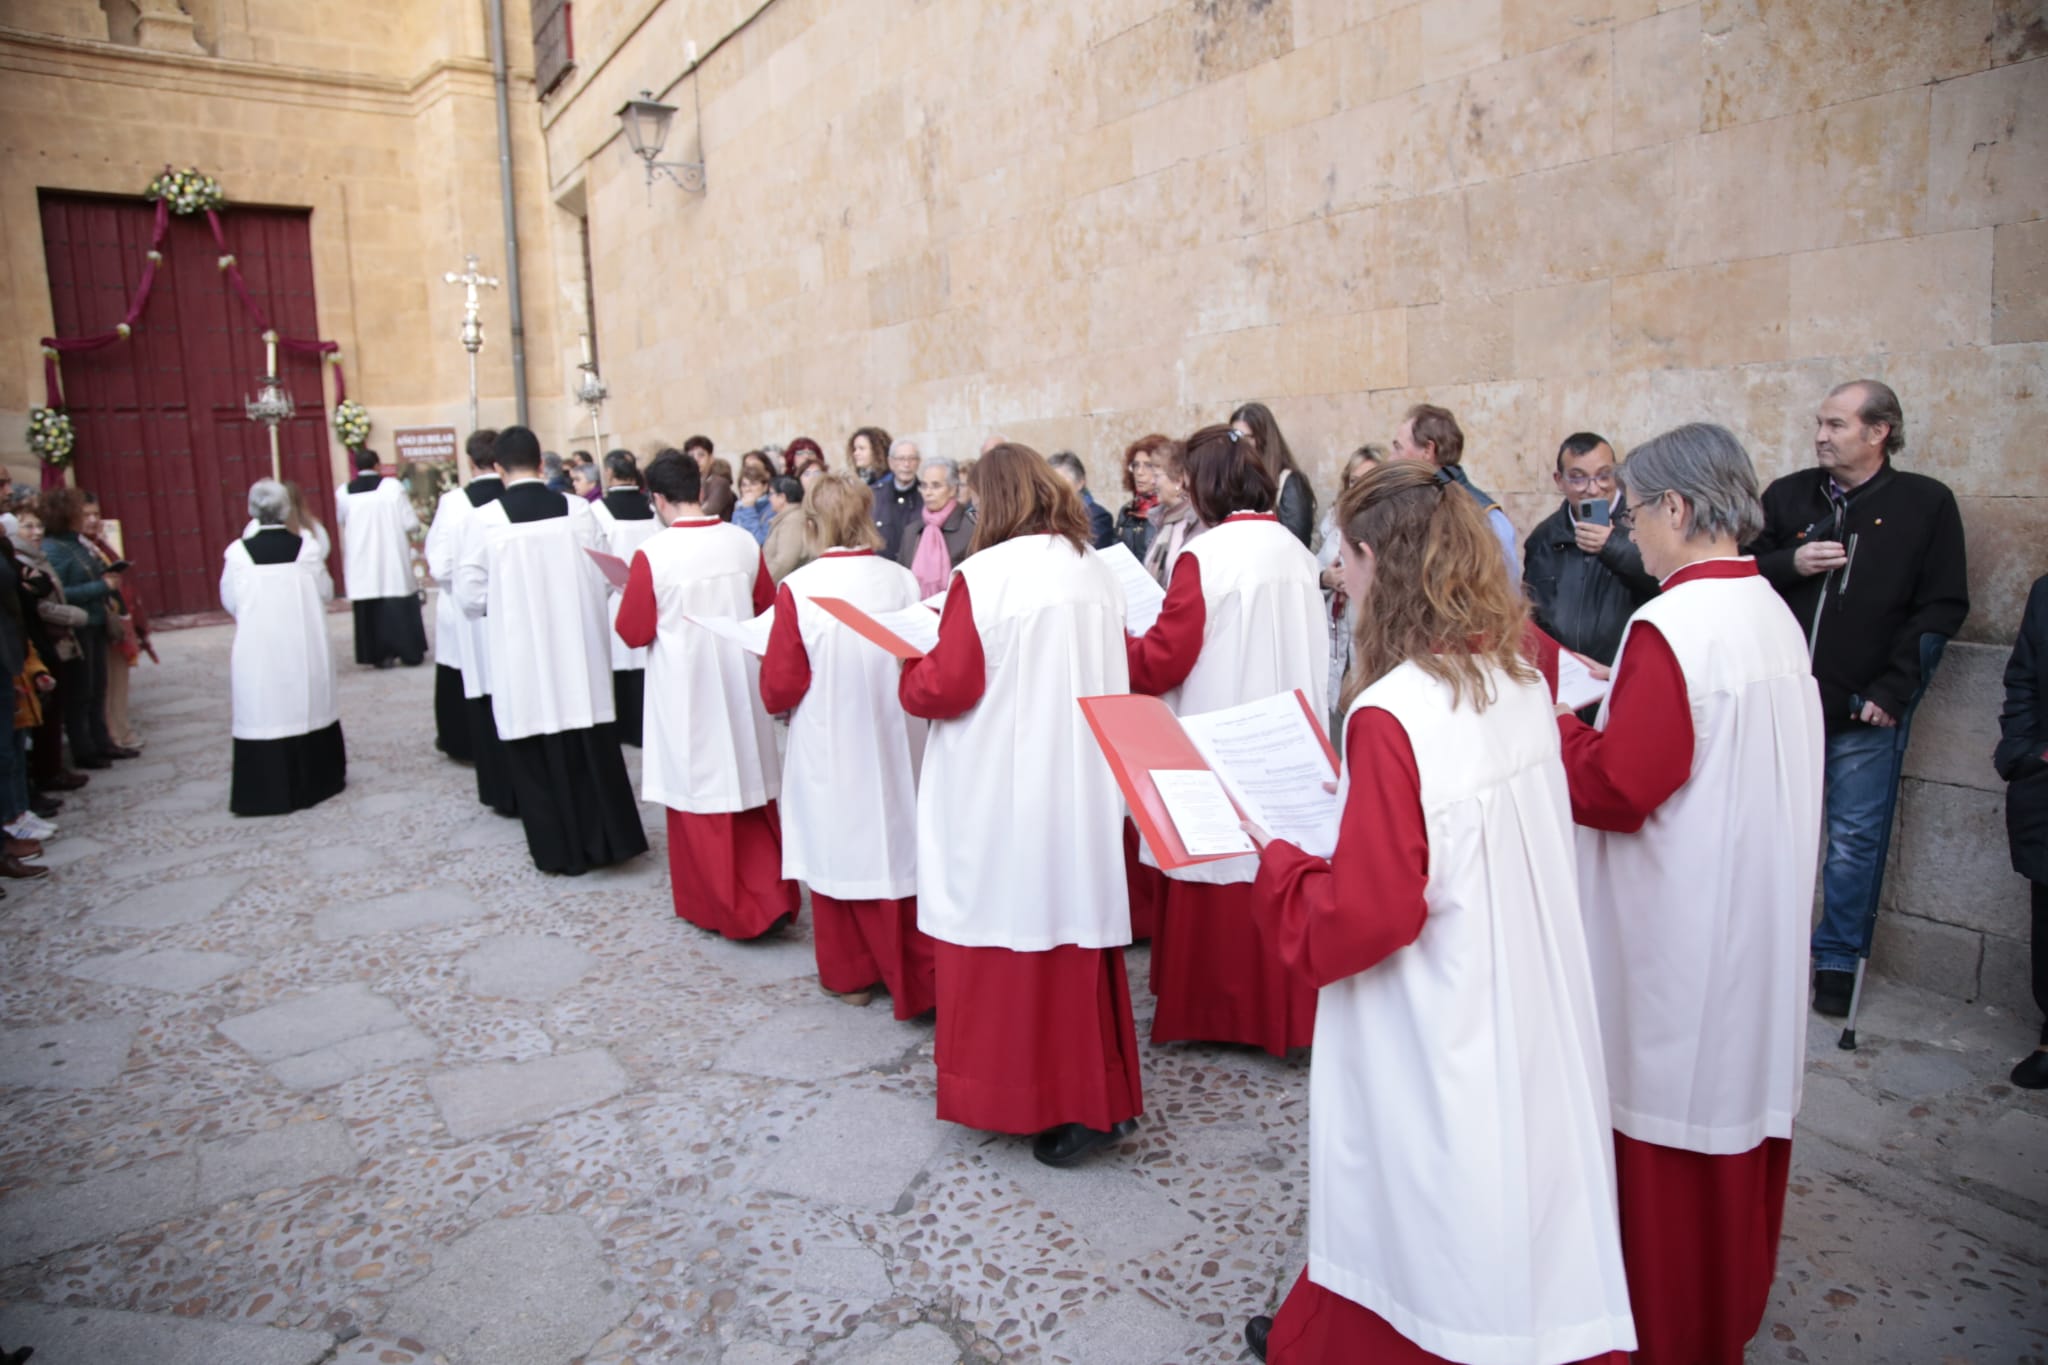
x=288, y=746
x=1697, y=790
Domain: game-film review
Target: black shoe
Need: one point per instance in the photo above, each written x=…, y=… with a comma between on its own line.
x=1255, y=1333
x=123, y=751
x=96, y=761
x=1068, y=1143
x=1831, y=992
x=46, y=806
x=781, y=922
x=387, y=663
x=2032, y=1072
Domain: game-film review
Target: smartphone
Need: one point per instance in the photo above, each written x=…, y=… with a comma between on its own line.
x=118, y=566
x=1595, y=510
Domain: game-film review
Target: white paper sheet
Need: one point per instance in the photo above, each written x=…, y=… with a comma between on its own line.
x=1274, y=765
x=1142, y=596
x=749, y=633
x=915, y=624
x=937, y=601
x=1201, y=813
x=1576, y=685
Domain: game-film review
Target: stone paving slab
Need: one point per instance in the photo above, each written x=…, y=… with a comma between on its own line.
x=283, y=1158
x=307, y=1022
x=525, y=966
x=170, y=903
x=180, y=971
x=34, y=1223
x=860, y=1149
x=484, y=1302
x=2010, y=1155
x=814, y=1042
x=67, y=1056
x=395, y=913
x=1119, y=1209
x=69, y=851
x=496, y=1096
x=97, y=1336
x=352, y=1057
x=923, y=1344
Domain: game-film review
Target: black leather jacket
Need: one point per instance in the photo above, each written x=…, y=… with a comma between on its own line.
x=1583, y=600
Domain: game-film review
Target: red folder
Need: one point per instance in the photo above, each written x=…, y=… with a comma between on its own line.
x=613, y=568
x=868, y=627
x=1139, y=735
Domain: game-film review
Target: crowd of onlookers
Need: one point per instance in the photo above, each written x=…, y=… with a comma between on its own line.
x=71, y=629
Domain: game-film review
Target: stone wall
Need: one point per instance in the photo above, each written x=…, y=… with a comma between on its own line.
x=376, y=114
x=1077, y=222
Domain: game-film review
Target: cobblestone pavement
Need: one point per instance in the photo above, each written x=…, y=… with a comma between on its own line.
x=358, y=1084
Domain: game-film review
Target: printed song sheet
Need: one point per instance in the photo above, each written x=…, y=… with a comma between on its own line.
x=612, y=567
x=1201, y=812
x=1142, y=596
x=1576, y=685
x=908, y=634
x=915, y=624
x=749, y=633
x=1274, y=762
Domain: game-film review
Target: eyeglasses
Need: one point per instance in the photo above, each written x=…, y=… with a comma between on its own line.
x=1580, y=479
x=1625, y=515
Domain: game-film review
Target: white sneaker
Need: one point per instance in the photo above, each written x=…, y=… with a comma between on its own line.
x=31, y=826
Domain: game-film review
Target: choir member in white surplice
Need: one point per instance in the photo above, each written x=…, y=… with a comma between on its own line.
x=851, y=750
x=525, y=571
x=453, y=730
x=1020, y=875
x=287, y=731
x=487, y=750
x=1698, y=795
x=627, y=519
x=1461, y=1172
x=1243, y=619
x=377, y=522
x=709, y=751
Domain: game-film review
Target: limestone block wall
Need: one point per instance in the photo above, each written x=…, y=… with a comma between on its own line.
x=376, y=114
x=1075, y=222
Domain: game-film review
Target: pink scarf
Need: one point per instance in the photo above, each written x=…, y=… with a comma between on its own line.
x=933, y=563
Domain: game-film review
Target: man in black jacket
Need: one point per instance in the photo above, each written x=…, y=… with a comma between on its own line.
x=2022, y=760
x=1869, y=558
x=1585, y=576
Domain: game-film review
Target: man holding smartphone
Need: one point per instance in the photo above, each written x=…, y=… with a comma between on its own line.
x=1584, y=575
x=1869, y=558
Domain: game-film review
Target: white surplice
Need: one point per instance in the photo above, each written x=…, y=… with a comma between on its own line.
x=1458, y=1097
x=541, y=599
x=1265, y=632
x=622, y=538
x=280, y=669
x=851, y=746
x=1019, y=822
x=1698, y=923
x=443, y=546
x=707, y=746
x=376, y=553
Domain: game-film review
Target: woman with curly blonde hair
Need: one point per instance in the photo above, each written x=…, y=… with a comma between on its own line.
x=1461, y=1172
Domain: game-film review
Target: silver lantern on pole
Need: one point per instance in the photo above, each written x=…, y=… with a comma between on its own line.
x=272, y=406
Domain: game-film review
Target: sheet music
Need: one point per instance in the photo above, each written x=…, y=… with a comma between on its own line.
x=614, y=569
x=749, y=633
x=1142, y=596
x=1201, y=813
x=1274, y=765
x=916, y=625
x=1576, y=685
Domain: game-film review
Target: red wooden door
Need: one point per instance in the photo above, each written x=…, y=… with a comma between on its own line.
x=162, y=437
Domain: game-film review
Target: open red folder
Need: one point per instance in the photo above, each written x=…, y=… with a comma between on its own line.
x=613, y=568
x=1141, y=735
x=872, y=630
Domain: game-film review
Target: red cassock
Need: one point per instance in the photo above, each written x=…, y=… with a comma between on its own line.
x=1699, y=1232
x=1146, y=887
x=1215, y=979
x=859, y=943
x=725, y=866
x=1026, y=1040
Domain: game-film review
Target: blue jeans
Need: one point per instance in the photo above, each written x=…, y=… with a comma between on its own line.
x=1862, y=788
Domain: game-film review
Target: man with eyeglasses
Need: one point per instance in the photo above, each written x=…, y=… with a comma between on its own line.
x=1584, y=574
x=1870, y=559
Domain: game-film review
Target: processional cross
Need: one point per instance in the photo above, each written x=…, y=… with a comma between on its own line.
x=472, y=325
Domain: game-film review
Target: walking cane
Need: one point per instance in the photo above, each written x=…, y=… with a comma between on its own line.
x=1931, y=646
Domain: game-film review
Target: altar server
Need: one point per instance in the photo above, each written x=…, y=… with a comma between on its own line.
x=525, y=573
x=1019, y=824
x=1698, y=795
x=627, y=519
x=288, y=747
x=452, y=727
x=851, y=750
x=1461, y=1174
x=710, y=750
x=377, y=522
x=1243, y=620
